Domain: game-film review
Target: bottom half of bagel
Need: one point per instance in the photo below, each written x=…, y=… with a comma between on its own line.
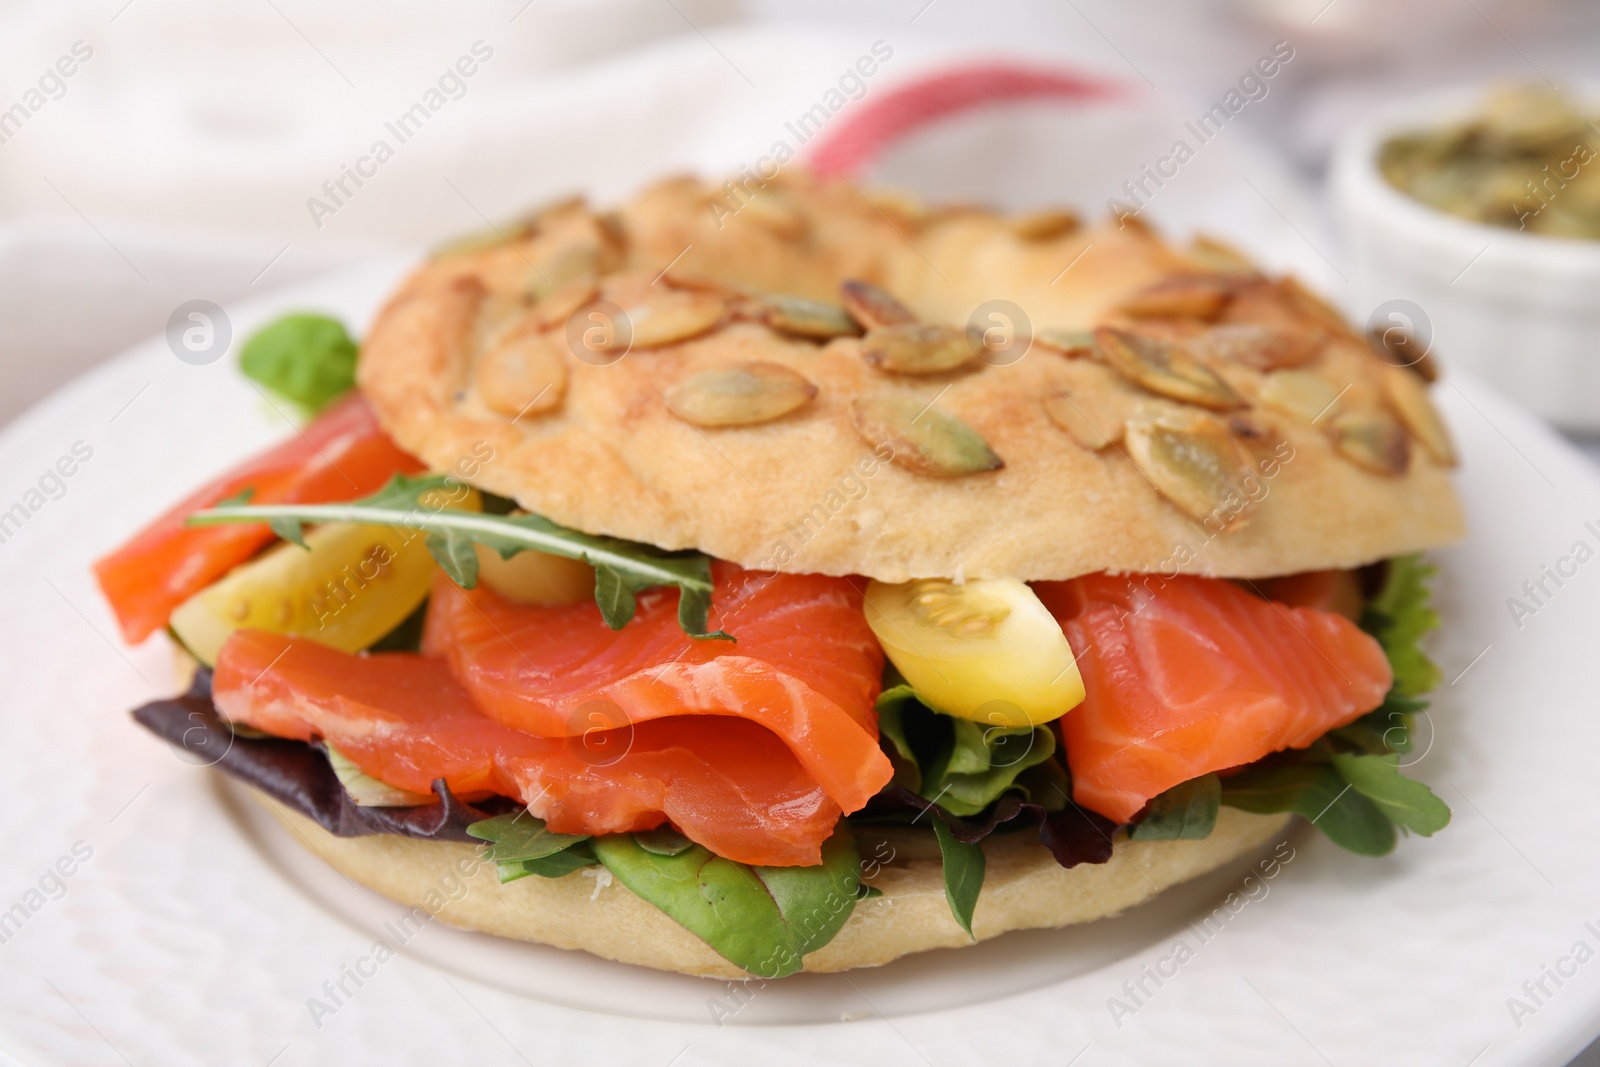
x=1024, y=888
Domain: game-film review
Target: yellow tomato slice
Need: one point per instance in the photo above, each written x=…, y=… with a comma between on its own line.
x=985, y=650
x=349, y=587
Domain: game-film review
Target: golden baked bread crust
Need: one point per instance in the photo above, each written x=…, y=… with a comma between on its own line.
x=1023, y=889
x=1109, y=461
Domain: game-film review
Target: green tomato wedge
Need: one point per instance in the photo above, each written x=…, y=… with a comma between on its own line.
x=347, y=588
x=985, y=650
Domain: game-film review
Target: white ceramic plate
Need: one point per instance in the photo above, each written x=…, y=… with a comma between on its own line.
x=194, y=934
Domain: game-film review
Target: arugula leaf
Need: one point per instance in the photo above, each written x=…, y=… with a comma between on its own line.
x=1319, y=793
x=963, y=765
x=290, y=531
x=453, y=551
x=241, y=497
x=520, y=845
x=963, y=874
x=1388, y=728
x=1186, y=812
x=1404, y=800
x=307, y=359
x=623, y=569
x=762, y=919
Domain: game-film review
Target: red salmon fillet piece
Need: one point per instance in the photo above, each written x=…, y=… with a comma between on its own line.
x=805, y=666
x=1185, y=676
x=728, y=784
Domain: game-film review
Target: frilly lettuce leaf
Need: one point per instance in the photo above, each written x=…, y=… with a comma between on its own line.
x=1400, y=616
x=961, y=765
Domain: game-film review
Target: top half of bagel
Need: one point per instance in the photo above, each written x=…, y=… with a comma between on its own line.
x=1038, y=400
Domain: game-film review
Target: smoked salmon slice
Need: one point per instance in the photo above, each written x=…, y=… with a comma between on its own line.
x=1185, y=676
x=728, y=784
x=806, y=667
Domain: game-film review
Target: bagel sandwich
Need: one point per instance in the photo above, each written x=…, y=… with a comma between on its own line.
x=806, y=585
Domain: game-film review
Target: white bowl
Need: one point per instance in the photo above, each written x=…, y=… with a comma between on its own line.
x=1519, y=310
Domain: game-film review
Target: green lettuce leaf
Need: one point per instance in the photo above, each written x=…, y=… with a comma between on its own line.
x=308, y=360
x=892, y=705
x=519, y=845
x=762, y=919
x=816, y=901
x=963, y=874
x=1186, y=812
x=623, y=569
x=961, y=765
